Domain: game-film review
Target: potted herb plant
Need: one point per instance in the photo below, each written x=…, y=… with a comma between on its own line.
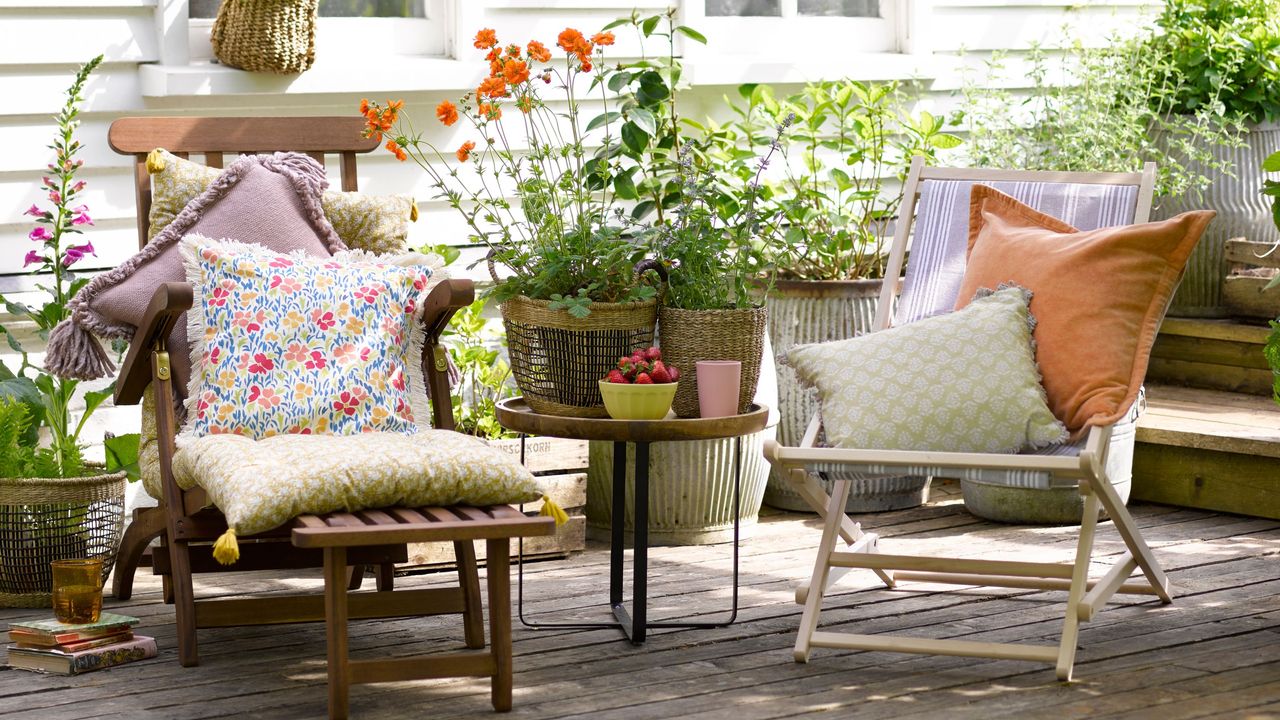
x=838, y=192
x=561, y=255
x=1224, y=56
x=53, y=503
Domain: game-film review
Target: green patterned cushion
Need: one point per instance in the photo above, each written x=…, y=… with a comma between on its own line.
x=377, y=223
x=962, y=382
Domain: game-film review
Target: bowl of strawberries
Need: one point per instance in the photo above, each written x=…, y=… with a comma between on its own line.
x=641, y=387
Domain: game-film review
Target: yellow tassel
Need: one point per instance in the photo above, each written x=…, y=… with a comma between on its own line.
x=413, y=212
x=226, y=551
x=155, y=161
x=551, y=509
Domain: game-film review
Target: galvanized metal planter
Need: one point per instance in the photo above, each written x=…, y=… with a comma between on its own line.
x=1242, y=212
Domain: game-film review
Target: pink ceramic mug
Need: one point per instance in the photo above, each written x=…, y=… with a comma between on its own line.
x=718, y=387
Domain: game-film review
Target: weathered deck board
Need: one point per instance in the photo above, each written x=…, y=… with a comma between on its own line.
x=1214, y=652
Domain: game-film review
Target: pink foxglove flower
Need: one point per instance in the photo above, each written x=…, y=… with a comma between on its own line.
x=32, y=258
x=48, y=182
x=76, y=253
x=40, y=234
x=34, y=211
x=81, y=215
x=55, y=197
x=78, y=186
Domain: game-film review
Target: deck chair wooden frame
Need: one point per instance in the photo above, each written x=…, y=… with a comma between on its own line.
x=1087, y=471
x=336, y=542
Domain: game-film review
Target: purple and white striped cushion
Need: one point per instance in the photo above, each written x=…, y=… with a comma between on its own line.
x=941, y=238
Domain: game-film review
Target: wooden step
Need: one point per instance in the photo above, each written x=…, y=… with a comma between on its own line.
x=1211, y=354
x=1209, y=449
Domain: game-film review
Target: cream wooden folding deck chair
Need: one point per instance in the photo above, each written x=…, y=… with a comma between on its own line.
x=938, y=200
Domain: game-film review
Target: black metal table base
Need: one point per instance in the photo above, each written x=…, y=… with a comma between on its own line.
x=635, y=624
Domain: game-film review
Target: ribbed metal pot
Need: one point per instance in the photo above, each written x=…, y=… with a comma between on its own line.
x=690, y=483
x=808, y=311
x=1242, y=212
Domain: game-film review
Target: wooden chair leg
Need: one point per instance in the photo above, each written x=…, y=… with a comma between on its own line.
x=146, y=525
x=1079, y=585
x=499, y=581
x=821, y=566
x=1128, y=531
x=184, y=603
x=355, y=577
x=469, y=580
x=386, y=578
x=807, y=488
x=335, y=616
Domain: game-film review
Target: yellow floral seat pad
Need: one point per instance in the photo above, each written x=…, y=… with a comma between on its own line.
x=261, y=484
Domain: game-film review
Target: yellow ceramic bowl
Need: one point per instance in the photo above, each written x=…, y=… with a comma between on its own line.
x=637, y=402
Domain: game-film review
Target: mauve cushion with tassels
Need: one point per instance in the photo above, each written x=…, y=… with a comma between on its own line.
x=270, y=199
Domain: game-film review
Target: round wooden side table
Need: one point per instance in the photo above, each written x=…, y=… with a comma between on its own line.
x=515, y=415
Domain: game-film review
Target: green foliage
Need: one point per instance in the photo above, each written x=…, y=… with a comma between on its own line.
x=1223, y=55
x=1119, y=111
x=1272, y=352
x=47, y=399
x=17, y=452
x=1271, y=188
x=122, y=454
x=474, y=343
x=845, y=160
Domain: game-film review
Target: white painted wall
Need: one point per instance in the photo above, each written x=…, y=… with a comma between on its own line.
x=153, y=67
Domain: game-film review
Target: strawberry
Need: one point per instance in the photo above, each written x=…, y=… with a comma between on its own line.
x=674, y=372
x=660, y=374
x=622, y=362
x=616, y=376
x=644, y=379
x=653, y=354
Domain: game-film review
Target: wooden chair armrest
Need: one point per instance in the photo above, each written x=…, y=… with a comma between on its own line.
x=442, y=302
x=169, y=302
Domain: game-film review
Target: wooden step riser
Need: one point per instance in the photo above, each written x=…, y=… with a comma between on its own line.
x=1207, y=479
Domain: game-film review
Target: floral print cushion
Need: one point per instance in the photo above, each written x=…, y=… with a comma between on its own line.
x=299, y=344
x=261, y=484
x=377, y=223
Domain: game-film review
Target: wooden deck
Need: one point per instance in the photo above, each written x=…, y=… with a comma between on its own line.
x=1214, y=653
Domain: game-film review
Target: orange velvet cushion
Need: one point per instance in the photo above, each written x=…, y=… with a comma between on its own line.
x=1099, y=296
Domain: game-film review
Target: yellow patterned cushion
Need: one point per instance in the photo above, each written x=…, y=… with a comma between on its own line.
x=377, y=223
x=261, y=484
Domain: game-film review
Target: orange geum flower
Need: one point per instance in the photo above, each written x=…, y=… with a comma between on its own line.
x=513, y=50
x=464, y=152
x=364, y=106
x=602, y=38
x=447, y=112
x=486, y=39
x=570, y=40
x=538, y=51
x=515, y=72
x=586, y=66
x=494, y=87
x=525, y=103
x=396, y=150
x=489, y=112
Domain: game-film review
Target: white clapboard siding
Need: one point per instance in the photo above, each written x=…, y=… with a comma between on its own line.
x=50, y=33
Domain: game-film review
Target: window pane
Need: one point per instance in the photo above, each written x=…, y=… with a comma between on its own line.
x=336, y=8
x=744, y=8
x=839, y=8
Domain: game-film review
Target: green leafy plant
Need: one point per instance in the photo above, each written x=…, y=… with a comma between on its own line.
x=714, y=252
x=640, y=165
x=48, y=399
x=845, y=159
x=563, y=237
x=1119, y=110
x=1223, y=55
x=1271, y=350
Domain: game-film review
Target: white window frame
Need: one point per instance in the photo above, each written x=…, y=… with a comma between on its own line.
x=817, y=38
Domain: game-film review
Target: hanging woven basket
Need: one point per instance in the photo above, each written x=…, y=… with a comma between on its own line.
x=687, y=336
x=47, y=519
x=271, y=36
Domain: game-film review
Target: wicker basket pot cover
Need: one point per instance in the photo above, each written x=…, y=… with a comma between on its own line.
x=687, y=336
x=812, y=311
x=47, y=519
x=558, y=359
x=1243, y=211
x=271, y=36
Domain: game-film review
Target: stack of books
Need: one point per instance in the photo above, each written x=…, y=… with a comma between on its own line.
x=49, y=646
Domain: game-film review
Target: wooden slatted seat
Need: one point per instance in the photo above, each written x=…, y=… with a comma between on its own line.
x=341, y=543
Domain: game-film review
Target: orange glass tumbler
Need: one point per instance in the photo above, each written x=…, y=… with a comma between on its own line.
x=77, y=590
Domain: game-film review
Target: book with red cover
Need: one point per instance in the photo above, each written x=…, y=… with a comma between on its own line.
x=74, y=663
x=74, y=646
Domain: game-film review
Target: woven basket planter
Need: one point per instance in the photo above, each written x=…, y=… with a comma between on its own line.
x=687, y=336
x=47, y=519
x=558, y=359
x=271, y=36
